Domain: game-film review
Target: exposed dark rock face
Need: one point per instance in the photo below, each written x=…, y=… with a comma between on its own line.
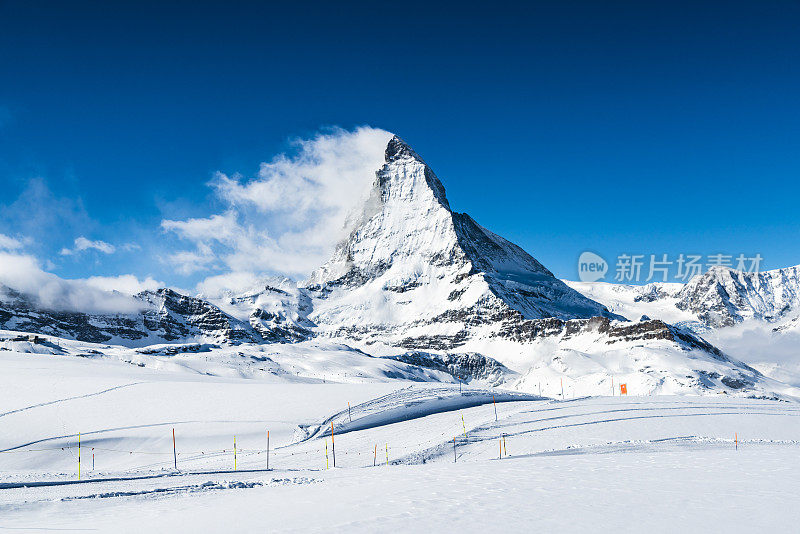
x=165, y=316
x=465, y=367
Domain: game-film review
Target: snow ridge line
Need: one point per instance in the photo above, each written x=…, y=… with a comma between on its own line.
x=432, y=402
x=68, y=399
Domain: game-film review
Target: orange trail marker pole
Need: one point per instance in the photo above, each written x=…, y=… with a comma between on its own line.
x=92, y=461
x=455, y=456
x=500, y=442
x=174, y=452
x=333, y=446
x=495, y=407
x=736, y=440
x=267, y=450
x=612, y=386
x=375, y=458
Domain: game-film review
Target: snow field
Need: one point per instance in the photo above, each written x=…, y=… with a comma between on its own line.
x=623, y=463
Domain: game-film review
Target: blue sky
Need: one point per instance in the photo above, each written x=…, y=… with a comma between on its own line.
x=618, y=127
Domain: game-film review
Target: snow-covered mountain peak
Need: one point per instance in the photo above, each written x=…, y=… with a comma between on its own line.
x=724, y=296
x=398, y=149
x=411, y=259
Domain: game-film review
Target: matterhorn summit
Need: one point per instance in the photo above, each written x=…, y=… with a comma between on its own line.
x=412, y=262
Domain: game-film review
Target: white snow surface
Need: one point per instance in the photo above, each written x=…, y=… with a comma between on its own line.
x=631, y=464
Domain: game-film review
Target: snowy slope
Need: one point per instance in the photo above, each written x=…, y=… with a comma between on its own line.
x=660, y=464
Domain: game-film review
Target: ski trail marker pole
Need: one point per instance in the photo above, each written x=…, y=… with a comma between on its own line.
x=562, y=389
x=387, y=455
x=464, y=425
x=375, y=458
x=267, y=450
x=333, y=446
x=174, y=452
x=504, y=445
x=234, y=453
x=79, y=455
x=455, y=456
x=348, y=413
x=495, y=407
x=326, y=454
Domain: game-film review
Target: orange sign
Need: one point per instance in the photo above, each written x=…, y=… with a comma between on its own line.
x=623, y=389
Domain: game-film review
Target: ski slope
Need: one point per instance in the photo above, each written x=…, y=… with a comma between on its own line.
x=409, y=455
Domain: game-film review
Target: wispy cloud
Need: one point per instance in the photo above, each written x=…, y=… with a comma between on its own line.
x=125, y=283
x=44, y=217
x=23, y=273
x=9, y=243
x=288, y=218
x=82, y=243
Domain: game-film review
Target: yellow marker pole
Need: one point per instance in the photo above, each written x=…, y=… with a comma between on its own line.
x=500, y=442
x=387, y=455
x=464, y=425
x=79, y=455
x=234, y=453
x=326, y=454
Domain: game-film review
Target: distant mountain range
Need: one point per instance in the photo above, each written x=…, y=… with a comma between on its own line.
x=418, y=282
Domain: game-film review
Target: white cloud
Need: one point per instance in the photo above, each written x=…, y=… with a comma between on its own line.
x=83, y=243
x=290, y=216
x=236, y=282
x=188, y=262
x=9, y=243
x=125, y=283
x=23, y=273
